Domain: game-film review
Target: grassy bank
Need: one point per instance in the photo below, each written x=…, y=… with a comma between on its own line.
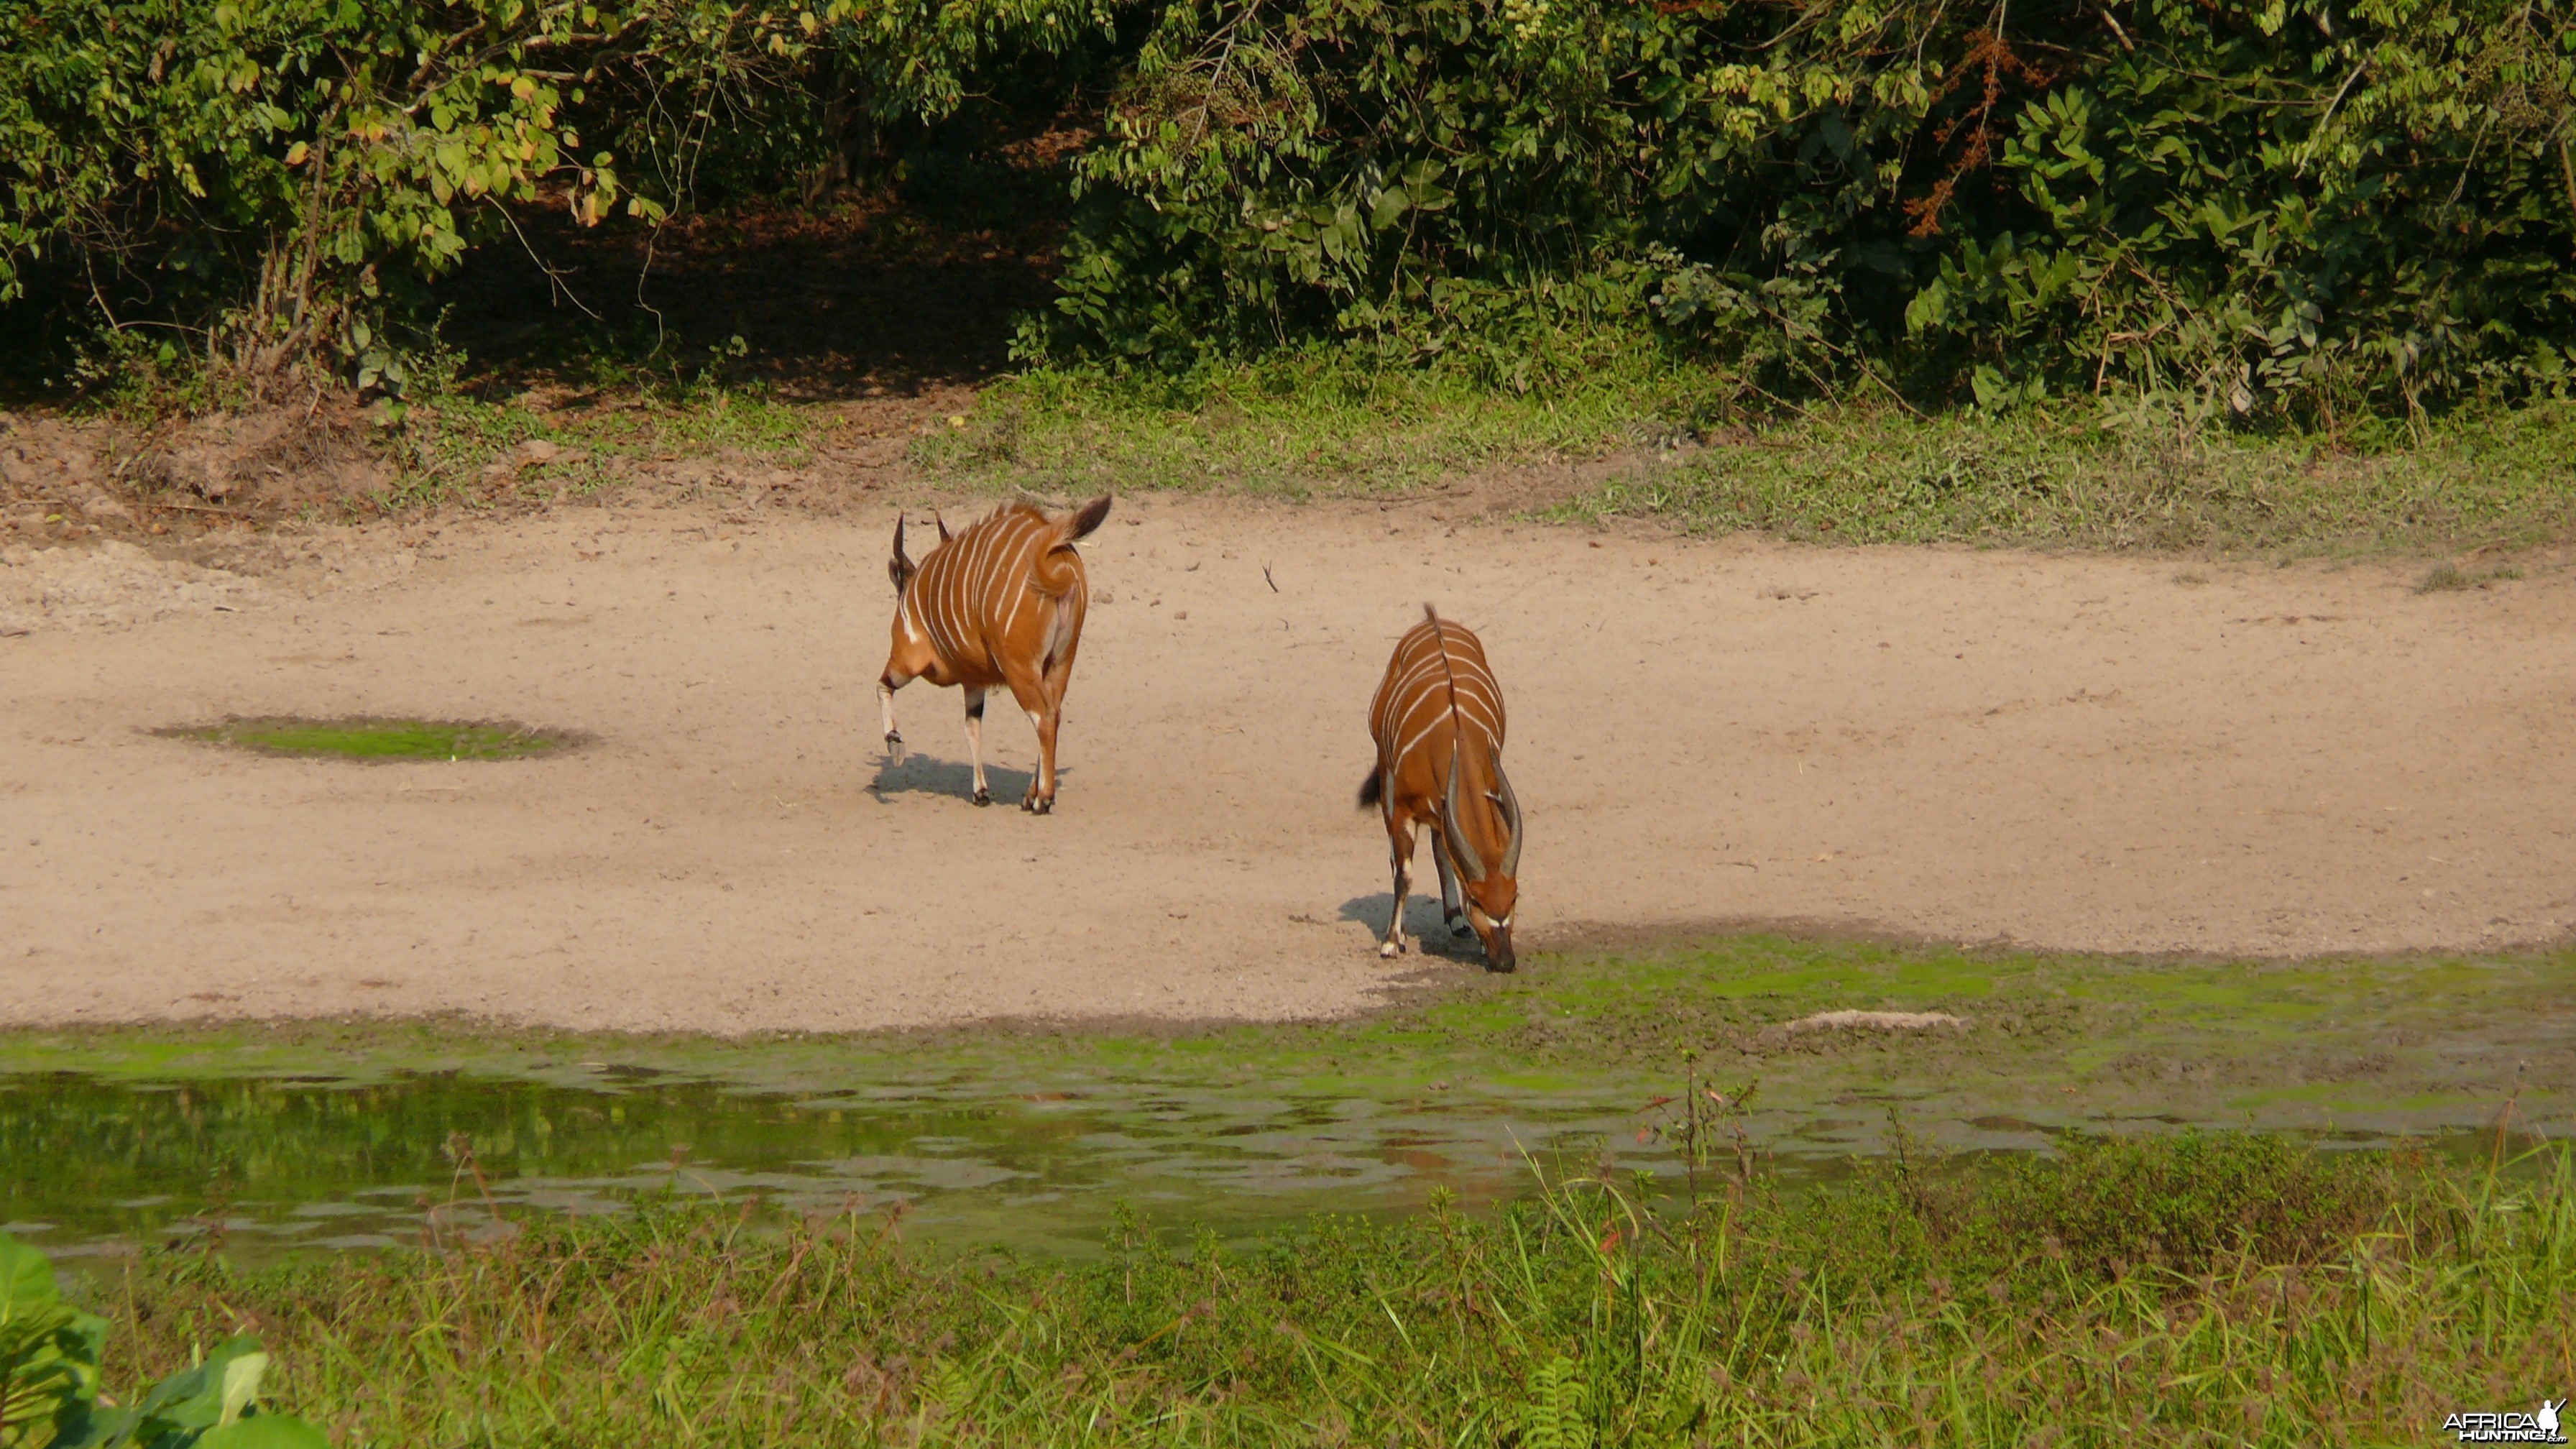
x=1642, y=436
x=2315, y=1043
x=2190, y=1290
x=1618, y=427
x=1619, y=445
x=1299, y=423
x=1627, y=442
x=2500, y=480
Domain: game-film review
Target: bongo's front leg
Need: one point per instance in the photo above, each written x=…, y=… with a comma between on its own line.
x=1400, y=846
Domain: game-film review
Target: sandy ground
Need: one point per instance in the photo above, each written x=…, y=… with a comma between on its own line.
x=2060, y=751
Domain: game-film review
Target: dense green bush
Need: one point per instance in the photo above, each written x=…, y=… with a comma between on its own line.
x=2236, y=206
x=2230, y=209
x=248, y=166
x=254, y=176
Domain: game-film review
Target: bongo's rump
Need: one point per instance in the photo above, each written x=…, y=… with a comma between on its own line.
x=1000, y=603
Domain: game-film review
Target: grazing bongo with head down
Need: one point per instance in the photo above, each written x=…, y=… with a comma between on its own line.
x=1438, y=722
x=999, y=604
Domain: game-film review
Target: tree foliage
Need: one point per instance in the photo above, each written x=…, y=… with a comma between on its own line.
x=263, y=168
x=2293, y=203
x=2237, y=207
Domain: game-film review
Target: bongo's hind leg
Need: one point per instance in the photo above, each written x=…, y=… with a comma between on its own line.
x=1047, y=685
x=975, y=741
x=1028, y=688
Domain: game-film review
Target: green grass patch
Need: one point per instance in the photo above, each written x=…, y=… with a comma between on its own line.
x=2447, y=577
x=378, y=739
x=2219, y=1289
x=460, y=449
x=1311, y=421
x=1854, y=476
x=1678, y=452
x=1635, y=432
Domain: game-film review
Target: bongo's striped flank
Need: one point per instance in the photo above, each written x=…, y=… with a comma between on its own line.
x=1000, y=604
x=1438, y=722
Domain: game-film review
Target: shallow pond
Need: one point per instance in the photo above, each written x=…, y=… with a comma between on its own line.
x=270, y=1164
x=368, y=1135
x=89, y=1164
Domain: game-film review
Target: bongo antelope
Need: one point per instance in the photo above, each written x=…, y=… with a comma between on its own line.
x=1000, y=603
x=1438, y=723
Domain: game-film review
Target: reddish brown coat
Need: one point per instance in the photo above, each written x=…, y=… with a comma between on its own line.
x=1000, y=604
x=1438, y=721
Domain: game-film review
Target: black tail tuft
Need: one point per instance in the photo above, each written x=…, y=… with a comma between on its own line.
x=1430, y=615
x=1091, y=517
x=1372, y=790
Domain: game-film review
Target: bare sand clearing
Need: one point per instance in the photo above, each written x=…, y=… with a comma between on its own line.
x=2060, y=751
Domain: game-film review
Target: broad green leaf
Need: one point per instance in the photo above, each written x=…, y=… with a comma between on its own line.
x=264, y=1431
x=241, y=1385
x=26, y=1280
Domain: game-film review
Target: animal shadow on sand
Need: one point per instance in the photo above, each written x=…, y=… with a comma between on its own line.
x=1423, y=929
x=921, y=774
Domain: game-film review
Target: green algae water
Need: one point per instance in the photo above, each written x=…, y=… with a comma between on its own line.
x=268, y=1164
x=338, y=1136
x=89, y=1165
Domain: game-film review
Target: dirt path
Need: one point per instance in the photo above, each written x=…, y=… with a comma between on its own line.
x=2073, y=752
